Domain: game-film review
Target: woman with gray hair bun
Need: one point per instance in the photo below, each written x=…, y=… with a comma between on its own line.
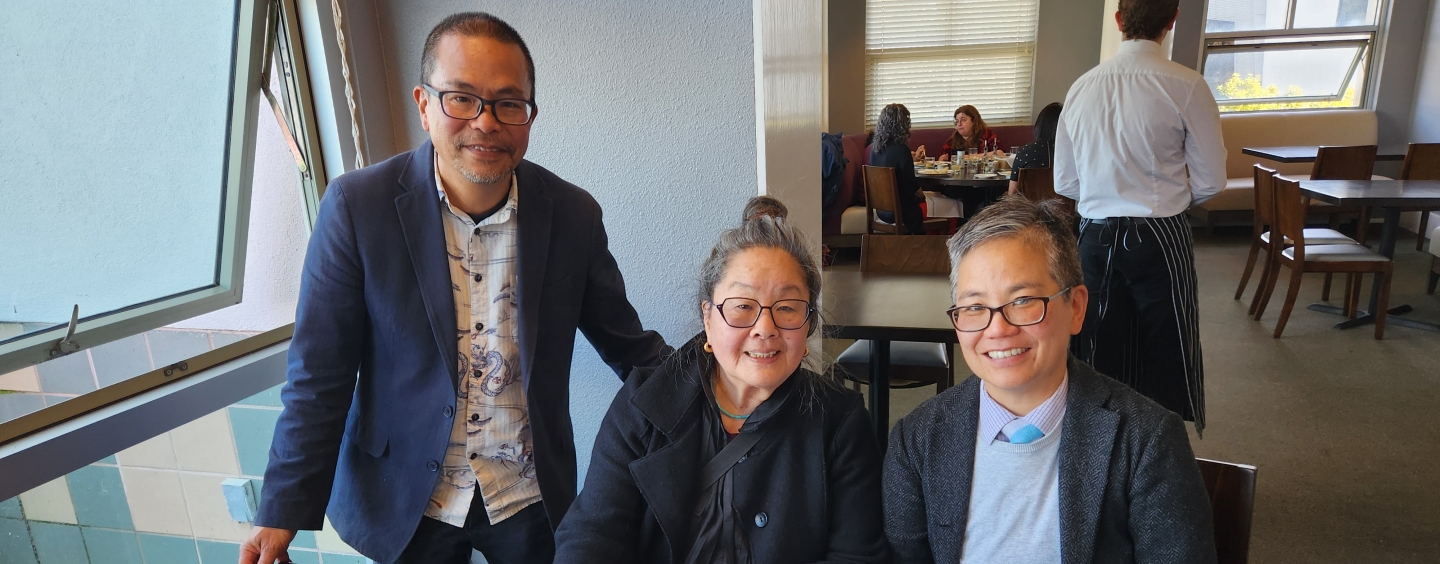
x=730, y=451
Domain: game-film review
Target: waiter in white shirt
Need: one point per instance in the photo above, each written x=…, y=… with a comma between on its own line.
x=1138, y=143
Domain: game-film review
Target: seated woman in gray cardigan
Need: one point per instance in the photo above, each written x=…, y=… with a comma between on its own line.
x=730, y=452
x=1038, y=458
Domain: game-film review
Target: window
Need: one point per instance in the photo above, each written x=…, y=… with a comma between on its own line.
x=1289, y=54
x=138, y=205
x=937, y=56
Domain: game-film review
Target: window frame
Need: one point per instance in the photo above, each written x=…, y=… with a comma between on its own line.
x=299, y=117
x=1308, y=38
x=247, y=67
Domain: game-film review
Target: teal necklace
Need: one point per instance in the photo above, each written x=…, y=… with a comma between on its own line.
x=728, y=414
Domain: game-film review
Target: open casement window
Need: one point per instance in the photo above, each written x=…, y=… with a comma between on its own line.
x=128, y=192
x=935, y=57
x=1290, y=54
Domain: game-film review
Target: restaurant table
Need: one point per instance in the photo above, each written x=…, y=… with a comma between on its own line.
x=882, y=308
x=937, y=182
x=1390, y=197
x=1306, y=153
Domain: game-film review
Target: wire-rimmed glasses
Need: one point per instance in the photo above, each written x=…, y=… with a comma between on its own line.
x=1022, y=311
x=466, y=106
x=744, y=313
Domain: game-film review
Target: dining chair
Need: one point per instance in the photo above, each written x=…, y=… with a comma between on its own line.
x=1291, y=207
x=1038, y=185
x=912, y=364
x=1354, y=162
x=1422, y=162
x=1264, y=194
x=1232, y=507
x=881, y=194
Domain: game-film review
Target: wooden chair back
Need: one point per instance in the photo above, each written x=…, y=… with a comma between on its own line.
x=1344, y=163
x=1422, y=162
x=1038, y=185
x=1264, y=199
x=1232, y=506
x=1291, y=207
x=881, y=195
x=904, y=254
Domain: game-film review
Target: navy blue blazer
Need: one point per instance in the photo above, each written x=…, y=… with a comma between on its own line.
x=370, y=397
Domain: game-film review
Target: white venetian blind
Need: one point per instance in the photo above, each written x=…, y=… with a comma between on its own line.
x=936, y=55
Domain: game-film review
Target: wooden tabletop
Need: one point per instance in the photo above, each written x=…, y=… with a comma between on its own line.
x=893, y=307
x=1306, y=153
x=1379, y=193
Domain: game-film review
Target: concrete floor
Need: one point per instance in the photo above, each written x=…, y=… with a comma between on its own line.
x=1343, y=428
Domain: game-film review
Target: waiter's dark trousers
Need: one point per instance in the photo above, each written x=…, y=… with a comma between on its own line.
x=1142, y=326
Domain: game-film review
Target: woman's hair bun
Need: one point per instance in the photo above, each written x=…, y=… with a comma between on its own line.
x=764, y=206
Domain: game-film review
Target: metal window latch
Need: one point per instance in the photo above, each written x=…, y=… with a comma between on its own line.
x=68, y=345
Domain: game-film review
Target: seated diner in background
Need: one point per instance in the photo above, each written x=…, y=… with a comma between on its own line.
x=970, y=133
x=1039, y=153
x=1037, y=458
x=730, y=451
x=890, y=148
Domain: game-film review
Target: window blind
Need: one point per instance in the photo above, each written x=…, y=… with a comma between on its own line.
x=937, y=55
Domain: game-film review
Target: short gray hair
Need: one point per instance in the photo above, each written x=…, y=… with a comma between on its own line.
x=1048, y=223
x=763, y=225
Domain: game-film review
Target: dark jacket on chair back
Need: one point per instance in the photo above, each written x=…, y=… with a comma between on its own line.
x=807, y=492
x=1130, y=489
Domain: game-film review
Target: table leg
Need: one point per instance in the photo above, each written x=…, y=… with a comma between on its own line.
x=880, y=390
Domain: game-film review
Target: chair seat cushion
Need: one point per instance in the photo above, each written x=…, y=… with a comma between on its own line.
x=852, y=221
x=902, y=353
x=1336, y=253
x=1435, y=242
x=1318, y=236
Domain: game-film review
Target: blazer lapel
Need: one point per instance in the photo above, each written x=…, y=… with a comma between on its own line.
x=952, y=476
x=534, y=214
x=419, y=212
x=1087, y=443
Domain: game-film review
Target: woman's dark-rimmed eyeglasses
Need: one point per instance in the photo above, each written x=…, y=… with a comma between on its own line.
x=1022, y=311
x=466, y=106
x=744, y=313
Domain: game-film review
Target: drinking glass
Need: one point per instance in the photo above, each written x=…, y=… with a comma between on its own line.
x=929, y=162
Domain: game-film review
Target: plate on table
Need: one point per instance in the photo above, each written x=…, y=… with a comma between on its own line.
x=987, y=177
x=933, y=172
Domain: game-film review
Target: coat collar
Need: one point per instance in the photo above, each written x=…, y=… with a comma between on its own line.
x=418, y=208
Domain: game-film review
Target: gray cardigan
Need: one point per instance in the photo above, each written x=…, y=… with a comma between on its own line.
x=1130, y=490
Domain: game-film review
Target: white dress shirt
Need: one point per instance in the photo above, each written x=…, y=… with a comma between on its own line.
x=490, y=441
x=1139, y=137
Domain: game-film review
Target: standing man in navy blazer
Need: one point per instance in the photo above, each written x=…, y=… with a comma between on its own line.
x=427, y=405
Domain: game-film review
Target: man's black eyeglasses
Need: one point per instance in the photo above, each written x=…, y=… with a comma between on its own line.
x=1019, y=312
x=467, y=106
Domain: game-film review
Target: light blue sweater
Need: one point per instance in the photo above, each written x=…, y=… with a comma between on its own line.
x=1015, y=503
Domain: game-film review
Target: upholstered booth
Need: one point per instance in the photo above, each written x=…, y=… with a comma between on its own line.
x=1272, y=129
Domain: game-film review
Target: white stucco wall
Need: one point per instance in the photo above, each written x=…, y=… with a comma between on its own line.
x=111, y=150
x=647, y=104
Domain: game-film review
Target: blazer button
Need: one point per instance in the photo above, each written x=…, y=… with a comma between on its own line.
x=448, y=411
x=761, y=519
x=433, y=466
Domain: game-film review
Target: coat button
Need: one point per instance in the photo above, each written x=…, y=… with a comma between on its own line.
x=448, y=411
x=761, y=519
x=433, y=466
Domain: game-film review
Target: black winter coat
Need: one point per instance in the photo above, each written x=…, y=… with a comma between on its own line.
x=809, y=491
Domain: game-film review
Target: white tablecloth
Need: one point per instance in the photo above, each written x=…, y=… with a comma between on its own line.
x=937, y=205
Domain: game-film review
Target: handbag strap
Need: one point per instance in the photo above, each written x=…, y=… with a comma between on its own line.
x=728, y=457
